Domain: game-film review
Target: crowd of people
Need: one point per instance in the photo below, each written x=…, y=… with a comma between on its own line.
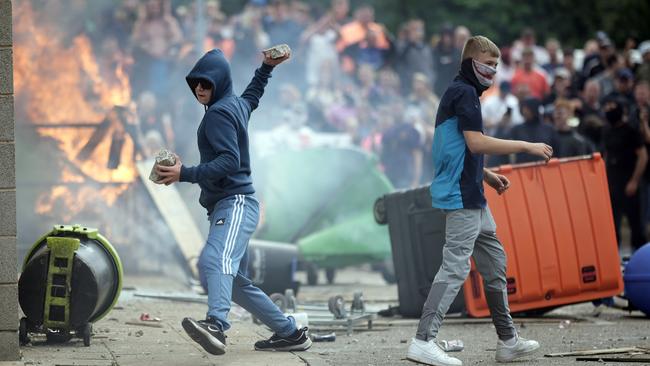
x=349, y=74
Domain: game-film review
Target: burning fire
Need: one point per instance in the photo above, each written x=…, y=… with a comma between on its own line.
x=61, y=86
x=67, y=203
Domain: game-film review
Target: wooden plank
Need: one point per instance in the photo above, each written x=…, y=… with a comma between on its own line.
x=591, y=352
x=615, y=359
x=145, y=324
x=183, y=297
x=177, y=216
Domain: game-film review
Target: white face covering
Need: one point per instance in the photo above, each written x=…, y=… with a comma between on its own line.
x=484, y=73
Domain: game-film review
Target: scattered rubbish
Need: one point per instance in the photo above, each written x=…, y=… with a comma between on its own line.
x=139, y=333
x=606, y=351
x=331, y=315
x=402, y=341
x=454, y=345
x=564, y=324
x=145, y=317
x=144, y=324
x=323, y=337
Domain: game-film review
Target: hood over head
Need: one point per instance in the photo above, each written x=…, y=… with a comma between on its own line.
x=214, y=68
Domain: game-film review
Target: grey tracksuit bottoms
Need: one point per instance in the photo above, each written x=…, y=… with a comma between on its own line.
x=469, y=232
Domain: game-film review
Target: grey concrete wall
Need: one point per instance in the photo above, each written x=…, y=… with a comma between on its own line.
x=8, y=278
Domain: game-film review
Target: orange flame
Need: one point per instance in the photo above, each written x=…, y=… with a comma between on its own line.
x=58, y=84
x=68, y=203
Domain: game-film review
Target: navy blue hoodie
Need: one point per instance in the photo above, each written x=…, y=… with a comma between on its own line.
x=223, y=133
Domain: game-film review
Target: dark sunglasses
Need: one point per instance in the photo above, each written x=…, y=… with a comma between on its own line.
x=205, y=84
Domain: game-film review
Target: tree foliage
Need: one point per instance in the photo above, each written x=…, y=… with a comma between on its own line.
x=570, y=21
x=573, y=22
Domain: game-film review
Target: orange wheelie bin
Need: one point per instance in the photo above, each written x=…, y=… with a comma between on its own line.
x=556, y=225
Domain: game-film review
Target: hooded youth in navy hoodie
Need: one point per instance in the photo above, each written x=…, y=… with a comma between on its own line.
x=224, y=169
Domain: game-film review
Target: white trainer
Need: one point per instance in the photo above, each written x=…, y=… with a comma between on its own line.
x=430, y=353
x=523, y=347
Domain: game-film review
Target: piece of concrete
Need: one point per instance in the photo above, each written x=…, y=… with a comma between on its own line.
x=7, y=212
x=9, y=305
x=5, y=23
x=6, y=118
x=6, y=73
x=8, y=271
x=9, y=345
x=277, y=51
x=7, y=166
x=164, y=158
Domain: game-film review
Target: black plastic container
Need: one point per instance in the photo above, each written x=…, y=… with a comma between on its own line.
x=417, y=236
x=272, y=266
x=63, y=289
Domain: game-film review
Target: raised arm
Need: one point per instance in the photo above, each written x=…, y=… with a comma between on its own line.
x=255, y=88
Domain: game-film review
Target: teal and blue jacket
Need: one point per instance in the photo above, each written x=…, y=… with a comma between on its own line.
x=458, y=173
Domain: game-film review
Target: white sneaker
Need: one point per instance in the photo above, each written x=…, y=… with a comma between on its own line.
x=430, y=353
x=523, y=347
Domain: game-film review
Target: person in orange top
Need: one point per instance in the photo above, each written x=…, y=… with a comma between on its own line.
x=357, y=30
x=527, y=74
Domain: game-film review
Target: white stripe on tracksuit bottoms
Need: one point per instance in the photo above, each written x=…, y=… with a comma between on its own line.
x=233, y=230
x=223, y=265
x=236, y=234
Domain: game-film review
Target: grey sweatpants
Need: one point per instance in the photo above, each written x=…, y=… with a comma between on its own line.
x=469, y=232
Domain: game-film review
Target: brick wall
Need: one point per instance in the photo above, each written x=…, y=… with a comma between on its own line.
x=8, y=272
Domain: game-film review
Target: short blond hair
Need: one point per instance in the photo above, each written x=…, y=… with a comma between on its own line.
x=477, y=45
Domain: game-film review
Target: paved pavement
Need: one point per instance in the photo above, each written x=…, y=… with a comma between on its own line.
x=117, y=343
